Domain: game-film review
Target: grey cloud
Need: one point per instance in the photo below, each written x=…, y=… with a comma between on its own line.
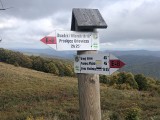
x=141, y=23
x=39, y=8
x=149, y=12
x=129, y=21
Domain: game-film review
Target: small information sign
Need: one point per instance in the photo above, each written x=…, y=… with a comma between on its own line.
x=97, y=64
x=71, y=40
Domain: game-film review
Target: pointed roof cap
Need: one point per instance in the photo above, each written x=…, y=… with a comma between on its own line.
x=87, y=19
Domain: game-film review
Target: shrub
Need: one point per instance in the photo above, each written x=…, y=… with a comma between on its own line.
x=113, y=79
x=123, y=86
x=133, y=114
x=16, y=64
x=103, y=79
x=60, y=67
x=51, y=68
x=141, y=81
x=114, y=116
x=68, y=70
x=127, y=78
x=38, y=63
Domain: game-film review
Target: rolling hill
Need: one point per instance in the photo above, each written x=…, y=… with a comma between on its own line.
x=28, y=94
x=137, y=62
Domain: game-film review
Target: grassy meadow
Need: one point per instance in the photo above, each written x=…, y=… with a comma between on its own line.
x=27, y=94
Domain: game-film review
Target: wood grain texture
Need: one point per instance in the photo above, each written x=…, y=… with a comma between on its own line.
x=87, y=19
x=89, y=94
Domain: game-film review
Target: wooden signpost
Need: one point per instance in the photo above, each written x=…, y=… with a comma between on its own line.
x=88, y=64
x=88, y=20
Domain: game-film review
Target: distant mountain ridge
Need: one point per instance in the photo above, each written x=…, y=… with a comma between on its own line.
x=70, y=54
x=47, y=53
x=137, y=61
x=134, y=52
x=149, y=66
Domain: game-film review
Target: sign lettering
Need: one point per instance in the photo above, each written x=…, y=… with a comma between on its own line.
x=97, y=64
x=71, y=40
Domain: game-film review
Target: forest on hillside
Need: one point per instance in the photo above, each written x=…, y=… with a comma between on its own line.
x=61, y=67
x=49, y=65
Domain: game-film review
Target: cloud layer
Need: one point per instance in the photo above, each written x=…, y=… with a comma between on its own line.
x=132, y=24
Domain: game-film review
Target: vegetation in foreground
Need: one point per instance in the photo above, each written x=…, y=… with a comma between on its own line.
x=28, y=94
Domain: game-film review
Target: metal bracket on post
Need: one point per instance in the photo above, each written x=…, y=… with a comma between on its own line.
x=88, y=84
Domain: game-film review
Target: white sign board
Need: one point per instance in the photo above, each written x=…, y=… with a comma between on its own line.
x=71, y=40
x=97, y=63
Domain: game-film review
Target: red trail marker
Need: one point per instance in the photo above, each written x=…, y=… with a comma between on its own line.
x=49, y=40
x=116, y=64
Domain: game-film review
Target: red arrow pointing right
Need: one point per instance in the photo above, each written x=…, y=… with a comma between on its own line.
x=116, y=63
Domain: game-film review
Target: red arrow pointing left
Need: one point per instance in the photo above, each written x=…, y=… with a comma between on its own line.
x=49, y=40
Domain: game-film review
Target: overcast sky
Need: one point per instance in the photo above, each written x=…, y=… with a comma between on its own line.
x=132, y=24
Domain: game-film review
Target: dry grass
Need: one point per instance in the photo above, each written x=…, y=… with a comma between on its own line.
x=29, y=94
x=25, y=92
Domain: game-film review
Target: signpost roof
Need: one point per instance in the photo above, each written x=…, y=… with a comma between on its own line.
x=87, y=19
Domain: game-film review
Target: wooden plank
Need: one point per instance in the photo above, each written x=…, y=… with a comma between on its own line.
x=87, y=19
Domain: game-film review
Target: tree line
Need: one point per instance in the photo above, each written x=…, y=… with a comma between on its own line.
x=127, y=80
x=49, y=65
x=59, y=67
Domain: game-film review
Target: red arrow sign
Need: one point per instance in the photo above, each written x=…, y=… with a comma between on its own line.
x=49, y=40
x=72, y=40
x=116, y=64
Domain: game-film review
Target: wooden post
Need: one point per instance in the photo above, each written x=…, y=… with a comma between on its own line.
x=88, y=84
x=89, y=96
